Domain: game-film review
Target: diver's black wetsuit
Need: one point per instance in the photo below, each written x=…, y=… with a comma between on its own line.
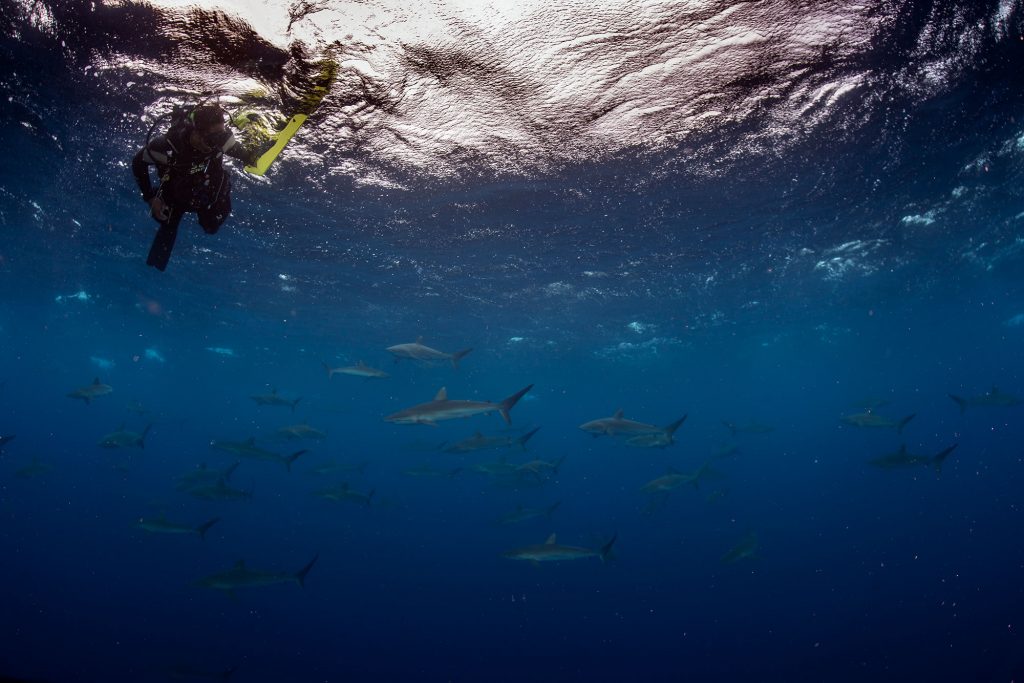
x=190, y=180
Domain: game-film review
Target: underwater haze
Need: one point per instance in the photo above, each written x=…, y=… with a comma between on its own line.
x=758, y=266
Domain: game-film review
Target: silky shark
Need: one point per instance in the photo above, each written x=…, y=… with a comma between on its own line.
x=551, y=551
x=125, y=439
x=272, y=399
x=871, y=420
x=991, y=398
x=479, y=442
x=204, y=476
x=249, y=449
x=161, y=525
x=417, y=351
x=360, y=369
x=343, y=494
x=443, y=408
x=88, y=393
x=521, y=514
x=661, y=439
x=617, y=425
x=240, y=576
x=901, y=459
x=745, y=549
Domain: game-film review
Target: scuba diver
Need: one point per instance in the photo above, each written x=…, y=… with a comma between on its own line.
x=192, y=177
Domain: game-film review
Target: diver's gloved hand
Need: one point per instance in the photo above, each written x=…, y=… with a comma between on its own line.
x=160, y=211
x=259, y=150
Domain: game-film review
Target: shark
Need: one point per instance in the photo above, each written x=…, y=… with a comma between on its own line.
x=902, y=458
x=249, y=449
x=94, y=390
x=551, y=551
x=479, y=442
x=160, y=525
x=992, y=397
x=343, y=494
x=662, y=439
x=334, y=467
x=219, y=491
x=203, y=476
x=417, y=351
x=4, y=440
x=272, y=399
x=303, y=431
x=869, y=419
x=538, y=467
x=499, y=468
x=618, y=425
x=744, y=550
x=241, y=576
x=748, y=428
x=443, y=408
x=125, y=439
x=521, y=514
x=360, y=369
x=673, y=479
x=36, y=468
x=423, y=471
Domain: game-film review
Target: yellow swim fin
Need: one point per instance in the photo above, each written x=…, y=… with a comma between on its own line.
x=280, y=140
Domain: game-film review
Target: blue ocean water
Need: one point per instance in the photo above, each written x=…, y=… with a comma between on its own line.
x=771, y=216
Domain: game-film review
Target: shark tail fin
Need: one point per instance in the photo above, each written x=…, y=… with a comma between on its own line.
x=505, y=406
x=904, y=421
x=300, y=575
x=142, y=437
x=205, y=526
x=330, y=372
x=526, y=437
x=292, y=458
x=362, y=467
x=226, y=674
x=229, y=471
x=941, y=456
x=962, y=402
x=551, y=509
x=295, y=403
x=606, y=549
x=456, y=357
x=369, y=497
x=671, y=429
x=558, y=463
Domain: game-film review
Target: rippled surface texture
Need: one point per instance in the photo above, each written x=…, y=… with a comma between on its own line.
x=768, y=215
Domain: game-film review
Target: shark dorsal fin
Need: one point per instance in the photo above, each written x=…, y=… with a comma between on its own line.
x=673, y=470
x=419, y=339
x=618, y=414
x=121, y=428
x=344, y=486
x=501, y=459
x=551, y=540
x=442, y=395
x=903, y=449
x=519, y=506
x=251, y=441
x=96, y=382
x=994, y=390
x=240, y=564
x=273, y=391
x=360, y=364
x=477, y=435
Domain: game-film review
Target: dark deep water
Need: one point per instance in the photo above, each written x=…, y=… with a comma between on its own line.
x=769, y=214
